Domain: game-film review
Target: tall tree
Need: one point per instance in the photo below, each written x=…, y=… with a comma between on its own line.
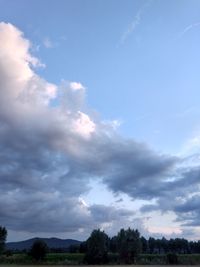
x=38, y=250
x=165, y=244
x=3, y=236
x=97, y=247
x=113, y=244
x=129, y=245
x=152, y=244
x=144, y=243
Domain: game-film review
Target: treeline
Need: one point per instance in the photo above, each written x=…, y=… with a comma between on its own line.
x=163, y=246
x=126, y=247
x=147, y=246
x=128, y=244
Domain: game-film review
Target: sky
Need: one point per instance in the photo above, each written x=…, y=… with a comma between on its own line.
x=99, y=117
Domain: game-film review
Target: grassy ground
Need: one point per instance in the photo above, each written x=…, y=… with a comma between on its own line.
x=98, y=265
x=51, y=258
x=156, y=259
x=77, y=259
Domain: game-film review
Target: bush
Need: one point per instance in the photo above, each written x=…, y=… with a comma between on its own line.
x=8, y=253
x=38, y=250
x=3, y=236
x=172, y=258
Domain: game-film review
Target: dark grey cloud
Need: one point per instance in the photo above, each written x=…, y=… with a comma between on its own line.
x=50, y=153
x=53, y=212
x=102, y=213
x=189, y=211
x=181, y=196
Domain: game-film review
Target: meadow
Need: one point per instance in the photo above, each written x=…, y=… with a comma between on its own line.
x=96, y=265
x=71, y=259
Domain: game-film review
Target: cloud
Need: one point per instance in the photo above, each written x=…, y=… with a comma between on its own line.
x=48, y=43
x=52, y=145
x=189, y=211
x=188, y=28
x=48, y=152
x=181, y=197
x=135, y=22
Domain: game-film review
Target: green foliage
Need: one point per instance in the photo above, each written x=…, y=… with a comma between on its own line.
x=100, y=249
x=152, y=244
x=64, y=258
x=3, y=236
x=83, y=247
x=51, y=258
x=151, y=259
x=15, y=259
x=189, y=259
x=172, y=258
x=38, y=250
x=74, y=248
x=113, y=244
x=144, y=244
x=128, y=245
x=97, y=248
x=77, y=258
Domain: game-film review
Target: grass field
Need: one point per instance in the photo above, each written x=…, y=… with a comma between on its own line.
x=51, y=258
x=71, y=259
x=96, y=265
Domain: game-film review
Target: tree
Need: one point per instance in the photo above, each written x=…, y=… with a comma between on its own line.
x=165, y=244
x=172, y=245
x=113, y=244
x=38, y=250
x=158, y=243
x=83, y=247
x=97, y=248
x=152, y=244
x=129, y=245
x=144, y=243
x=3, y=236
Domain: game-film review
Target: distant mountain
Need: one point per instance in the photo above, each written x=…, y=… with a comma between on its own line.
x=53, y=243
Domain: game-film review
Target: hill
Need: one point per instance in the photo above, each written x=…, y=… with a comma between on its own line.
x=53, y=243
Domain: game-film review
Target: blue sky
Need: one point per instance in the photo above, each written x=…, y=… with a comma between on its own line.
x=138, y=62
x=154, y=70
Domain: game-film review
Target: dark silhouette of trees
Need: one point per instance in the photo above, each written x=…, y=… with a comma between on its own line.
x=122, y=248
x=194, y=246
x=83, y=247
x=128, y=245
x=152, y=245
x=3, y=236
x=97, y=248
x=113, y=244
x=172, y=258
x=38, y=250
x=165, y=245
x=145, y=245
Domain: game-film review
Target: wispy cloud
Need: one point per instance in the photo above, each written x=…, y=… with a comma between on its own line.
x=135, y=22
x=188, y=28
x=48, y=43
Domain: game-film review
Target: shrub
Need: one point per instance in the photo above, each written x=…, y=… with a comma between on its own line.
x=172, y=258
x=38, y=250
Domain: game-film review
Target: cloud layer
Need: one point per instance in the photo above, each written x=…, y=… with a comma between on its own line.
x=52, y=146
